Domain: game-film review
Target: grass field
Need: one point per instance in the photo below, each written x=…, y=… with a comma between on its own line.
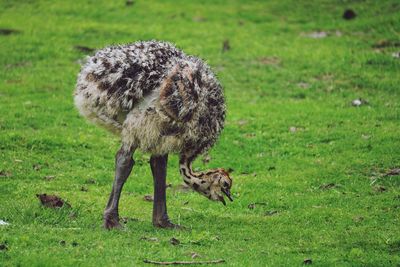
x=314, y=164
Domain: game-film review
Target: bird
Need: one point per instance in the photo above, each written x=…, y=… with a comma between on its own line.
x=161, y=101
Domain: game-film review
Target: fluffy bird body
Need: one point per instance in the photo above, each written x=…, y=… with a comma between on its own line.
x=158, y=100
x=121, y=89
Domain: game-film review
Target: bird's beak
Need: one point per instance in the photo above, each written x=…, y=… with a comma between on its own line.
x=221, y=198
x=227, y=192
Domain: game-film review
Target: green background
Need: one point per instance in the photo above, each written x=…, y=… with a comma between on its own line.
x=316, y=163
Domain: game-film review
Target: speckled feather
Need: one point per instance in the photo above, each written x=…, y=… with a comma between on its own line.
x=156, y=97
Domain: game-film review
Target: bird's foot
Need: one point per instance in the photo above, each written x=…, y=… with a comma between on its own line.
x=111, y=221
x=166, y=223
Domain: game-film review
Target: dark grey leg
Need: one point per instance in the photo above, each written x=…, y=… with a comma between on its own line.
x=123, y=167
x=158, y=166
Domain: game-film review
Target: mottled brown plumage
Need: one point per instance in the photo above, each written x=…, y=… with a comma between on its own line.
x=158, y=100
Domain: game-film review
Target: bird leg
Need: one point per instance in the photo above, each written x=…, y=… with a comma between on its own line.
x=158, y=166
x=123, y=167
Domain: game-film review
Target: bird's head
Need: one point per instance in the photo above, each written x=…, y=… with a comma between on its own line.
x=220, y=185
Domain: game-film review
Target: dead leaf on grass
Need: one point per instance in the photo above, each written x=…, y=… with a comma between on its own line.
x=5, y=174
x=307, y=261
x=393, y=172
x=174, y=241
x=148, y=198
x=349, y=14
x=386, y=43
x=396, y=54
x=271, y=212
x=4, y=31
x=52, y=201
x=380, y=189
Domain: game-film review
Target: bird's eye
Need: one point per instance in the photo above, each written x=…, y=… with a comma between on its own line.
x=226, y=184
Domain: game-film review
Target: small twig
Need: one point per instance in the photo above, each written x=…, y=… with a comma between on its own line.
x=183, y=262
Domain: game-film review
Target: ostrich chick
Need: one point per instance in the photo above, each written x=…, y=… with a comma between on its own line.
x=158, y=100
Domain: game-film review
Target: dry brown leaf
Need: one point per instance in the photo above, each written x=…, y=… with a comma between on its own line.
x=5, y=174
x=307, y=261
x=174, y=241
x=148, y=198
x=392, y=172
x=52, y=201
x=4, y=31
x=386, y=43
x=349, y=14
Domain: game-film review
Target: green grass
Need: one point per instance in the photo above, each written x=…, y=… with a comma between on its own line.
x=274, y=76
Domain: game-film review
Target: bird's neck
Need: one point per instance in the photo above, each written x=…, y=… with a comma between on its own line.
x=199, y=181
